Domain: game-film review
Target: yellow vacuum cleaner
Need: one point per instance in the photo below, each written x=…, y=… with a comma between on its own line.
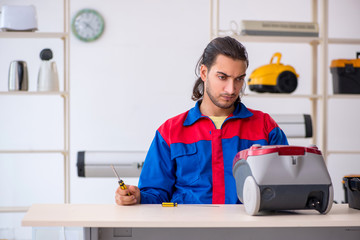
x=274, y=77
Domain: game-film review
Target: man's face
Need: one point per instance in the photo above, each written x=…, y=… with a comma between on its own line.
x=224, y=81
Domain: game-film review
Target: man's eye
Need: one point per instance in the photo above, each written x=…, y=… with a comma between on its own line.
x=239, y=79
x=221, y=77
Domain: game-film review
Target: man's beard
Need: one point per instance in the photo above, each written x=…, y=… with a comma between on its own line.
x=217, y=103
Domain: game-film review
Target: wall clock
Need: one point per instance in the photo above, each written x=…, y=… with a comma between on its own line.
x=87, y=25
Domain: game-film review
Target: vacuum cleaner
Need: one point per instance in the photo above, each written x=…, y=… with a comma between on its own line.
x=279, y=177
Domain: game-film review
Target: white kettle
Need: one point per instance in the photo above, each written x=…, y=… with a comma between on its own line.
x=48, y=79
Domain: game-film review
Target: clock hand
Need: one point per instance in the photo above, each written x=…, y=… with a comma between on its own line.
x=89, y=26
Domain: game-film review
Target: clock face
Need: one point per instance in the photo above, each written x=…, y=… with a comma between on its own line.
x=87, y=25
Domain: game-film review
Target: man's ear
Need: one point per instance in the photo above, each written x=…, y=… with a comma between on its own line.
x=203, y=72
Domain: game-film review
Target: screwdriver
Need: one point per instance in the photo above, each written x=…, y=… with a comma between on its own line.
x=121, y=182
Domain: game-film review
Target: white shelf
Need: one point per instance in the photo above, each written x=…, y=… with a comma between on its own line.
x=319, y=65
x=344, y=96
x=343, y=41
x=63, y=36
x=343, y=152
x=276, y=39
x=13, y=209
x=56, y=35
x=62, y=151
x=32, y=93
x=276, y=95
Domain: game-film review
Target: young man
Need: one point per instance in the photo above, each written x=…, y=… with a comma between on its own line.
x=190, y=159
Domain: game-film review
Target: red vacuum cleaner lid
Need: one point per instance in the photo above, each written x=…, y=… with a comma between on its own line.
x=285, y=150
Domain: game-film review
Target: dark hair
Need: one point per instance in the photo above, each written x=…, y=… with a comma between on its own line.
x=227, y=46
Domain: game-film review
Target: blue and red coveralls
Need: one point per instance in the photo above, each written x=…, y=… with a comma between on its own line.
x=190, y=161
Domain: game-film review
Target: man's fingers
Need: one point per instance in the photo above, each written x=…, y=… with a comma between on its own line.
x=133, y=189
x=122, y=192
x=122, y=196
x=125, y=200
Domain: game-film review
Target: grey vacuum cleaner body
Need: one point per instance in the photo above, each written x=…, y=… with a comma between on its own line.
x=282, y=178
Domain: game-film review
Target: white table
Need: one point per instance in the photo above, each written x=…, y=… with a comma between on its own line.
x=194, y=222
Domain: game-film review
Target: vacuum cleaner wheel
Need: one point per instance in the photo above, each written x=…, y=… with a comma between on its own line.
x=286, y=82
x=330, y=200
x=251, y=196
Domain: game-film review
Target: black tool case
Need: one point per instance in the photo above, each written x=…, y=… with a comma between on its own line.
x=346, y=75
x=352, y=190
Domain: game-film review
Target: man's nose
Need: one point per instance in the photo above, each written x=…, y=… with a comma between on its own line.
x=230, y=86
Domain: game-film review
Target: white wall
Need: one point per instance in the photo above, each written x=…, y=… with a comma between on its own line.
x=138, y=74
x=145, y=65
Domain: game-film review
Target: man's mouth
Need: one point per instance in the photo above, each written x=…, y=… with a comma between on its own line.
x=227, y=97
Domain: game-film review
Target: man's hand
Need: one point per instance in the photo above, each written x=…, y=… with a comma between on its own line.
x=122, y=197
